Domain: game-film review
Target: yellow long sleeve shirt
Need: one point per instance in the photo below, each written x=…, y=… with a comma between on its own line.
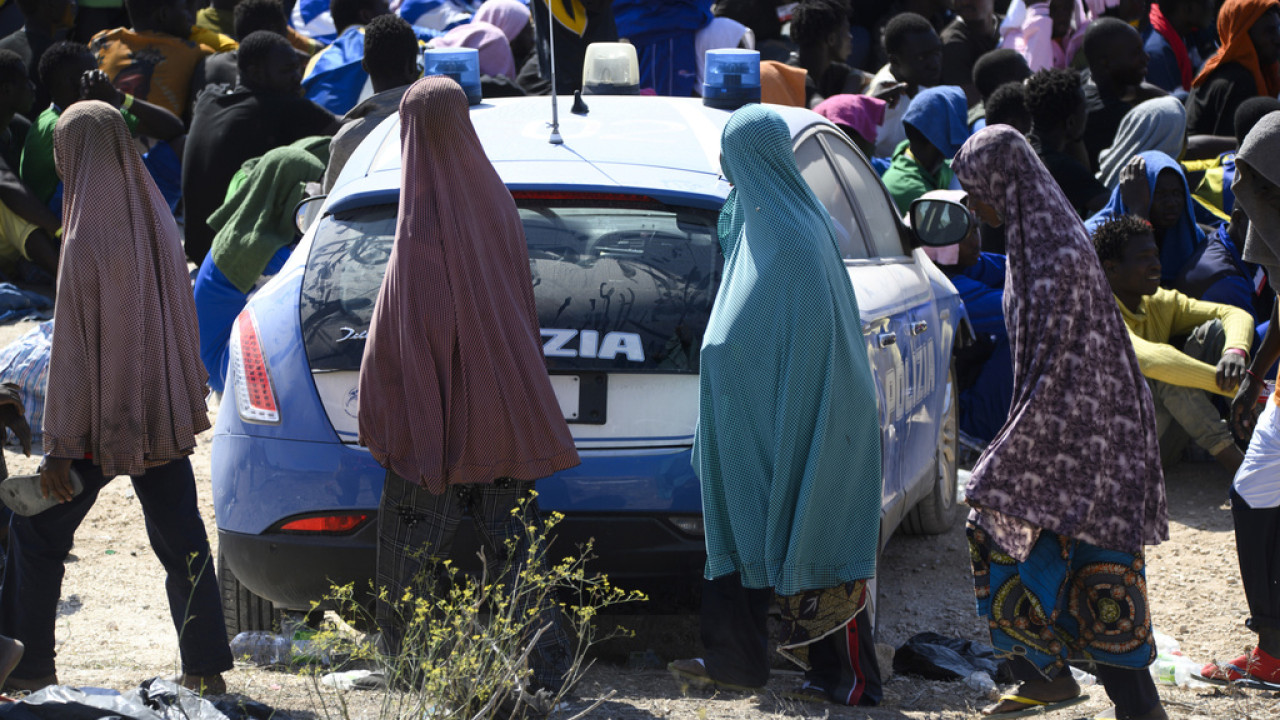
x=1169, y=313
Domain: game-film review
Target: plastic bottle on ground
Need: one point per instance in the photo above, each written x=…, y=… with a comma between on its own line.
x=262, y=648
x=983, y=683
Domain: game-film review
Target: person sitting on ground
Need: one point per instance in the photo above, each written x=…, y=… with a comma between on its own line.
x=1156, y=191
x=255, y=234
x=1171, y=67
x=973, y=33
x=1048, y=33
x=27, y=227
x=820, y=30
x=222, y=17
x=936, y=128
x=153, y=60
x=512, y=17
x=573, y=33
x=1056, y=102
x=391, y=58
x=1218, y=272
x=250, y=17
x=335, y=79
x=48, y=21
x=663, y=35
x=496, y=60
x=12, y=419
x=230, y=126
x=1255, y=491
x=783, y=84
x=992, y=70
x=1214, y=188
x=1116, y=84
x=71, y=73
x=719, y=34
x=915, y=63
x=1245, y=66
x=859, y=116
x=1159, y=124
x=1008, y=106
x=1212, y=360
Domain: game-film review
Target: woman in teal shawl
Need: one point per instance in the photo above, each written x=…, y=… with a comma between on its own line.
x=788, y=440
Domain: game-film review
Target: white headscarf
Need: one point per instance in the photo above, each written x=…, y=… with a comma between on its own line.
x=1159, y=124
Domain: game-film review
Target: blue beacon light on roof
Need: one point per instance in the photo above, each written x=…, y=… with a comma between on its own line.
x=460, y=64
x=732, y=78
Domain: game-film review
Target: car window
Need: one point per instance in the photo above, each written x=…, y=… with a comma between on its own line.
x=619, y=285
x=873, y=202
x=817, y=171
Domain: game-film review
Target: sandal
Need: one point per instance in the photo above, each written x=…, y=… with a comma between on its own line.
x=1033, y=706
x=694, y=672
x=808, y=692
x=1253, y=669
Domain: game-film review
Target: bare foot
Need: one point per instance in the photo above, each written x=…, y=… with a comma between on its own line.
x=10, y=654
x=1061, y=688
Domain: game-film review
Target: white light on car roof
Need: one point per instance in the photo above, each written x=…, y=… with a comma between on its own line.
x=610, y=69
x=732, y=78
x=461, y=64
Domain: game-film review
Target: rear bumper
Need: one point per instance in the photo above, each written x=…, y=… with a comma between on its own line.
x=637, y=552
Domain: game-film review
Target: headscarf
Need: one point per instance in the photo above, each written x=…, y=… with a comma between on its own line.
x=453, y=385
x=782, y=84
x=787, y=447
x=863, y=113
x=509, y=16
x=941, y=115
x=1161, y=24
x=1234, y=20
x=1260, y=153
x=1159, y=124
x=1079, y=455
x=1180, y=241
x=126, y=384
x=257, y=219
x=720, y=33
x=495, y=52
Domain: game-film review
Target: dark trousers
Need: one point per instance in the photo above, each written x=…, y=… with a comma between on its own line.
x=1131, y=690
x=735, y=638
x=416, y=527
x=38, y=548
x=1258, y=547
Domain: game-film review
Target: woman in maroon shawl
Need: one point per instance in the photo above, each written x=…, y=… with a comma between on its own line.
x=126, y=397
x=454, y=396
x=1070, y=490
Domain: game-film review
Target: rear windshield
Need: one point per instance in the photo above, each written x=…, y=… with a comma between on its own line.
x=619, y=285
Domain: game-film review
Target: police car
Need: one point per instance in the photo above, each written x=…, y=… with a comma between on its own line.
x=621, y=227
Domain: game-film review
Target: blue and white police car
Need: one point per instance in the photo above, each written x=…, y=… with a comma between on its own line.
x=621, y=227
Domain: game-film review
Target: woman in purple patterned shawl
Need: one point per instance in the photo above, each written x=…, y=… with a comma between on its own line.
x=1070, y=490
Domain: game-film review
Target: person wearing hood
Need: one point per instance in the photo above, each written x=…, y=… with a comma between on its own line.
x=1246, y=65
x=1070, y=491
x=800, y=450
x=1158, y=192
x=1159, y=124
x=1255, y=491
x=936, y=127
x=859, y=117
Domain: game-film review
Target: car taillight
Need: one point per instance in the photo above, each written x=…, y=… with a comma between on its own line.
x=255, y=398
x=331, y=524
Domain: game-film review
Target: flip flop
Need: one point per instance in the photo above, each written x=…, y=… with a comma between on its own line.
x=1035, y=707
x=694, y=672
x=807, y=693
x=1221, y=674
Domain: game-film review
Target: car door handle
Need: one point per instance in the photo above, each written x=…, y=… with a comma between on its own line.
x=888, y=338
x=919, y=326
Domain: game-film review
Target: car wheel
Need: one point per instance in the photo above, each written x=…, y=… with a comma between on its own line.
x=937, y=512
x=242, y=610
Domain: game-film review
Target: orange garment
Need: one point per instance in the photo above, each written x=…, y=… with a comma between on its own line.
x=1234, y=20
x=152, y=66
x=214, y=40
x=782, y=84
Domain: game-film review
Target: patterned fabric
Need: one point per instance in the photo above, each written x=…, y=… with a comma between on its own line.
x=125, y=379
x=152, y=66
x=787, y=445
x=1158, y=125
x=1068, y=601
x=1235, y=19
x=453, y=386
x=815, y=614
x=25, y=362
x=1078, y=455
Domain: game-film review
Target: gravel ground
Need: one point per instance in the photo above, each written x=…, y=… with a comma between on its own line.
x=114, y=629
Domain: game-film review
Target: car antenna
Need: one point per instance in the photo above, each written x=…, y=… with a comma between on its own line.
x=555, y=138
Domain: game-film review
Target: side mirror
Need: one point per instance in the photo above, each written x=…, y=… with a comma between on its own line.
x=307, y=212
x=937, y=223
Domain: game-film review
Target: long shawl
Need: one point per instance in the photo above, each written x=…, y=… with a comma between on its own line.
x=126, y=384
x=788, y=441
x=1078, y=454
x=453, y=386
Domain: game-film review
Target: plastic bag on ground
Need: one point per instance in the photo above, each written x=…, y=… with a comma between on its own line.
x=938, y=657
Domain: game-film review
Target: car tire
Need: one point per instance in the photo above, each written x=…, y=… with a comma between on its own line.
x=937, y=512
x=242, y=610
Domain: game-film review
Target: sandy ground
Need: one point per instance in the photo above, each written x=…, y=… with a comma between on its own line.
x=114, y=628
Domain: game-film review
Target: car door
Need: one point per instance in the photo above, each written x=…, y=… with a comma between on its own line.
x=912, y=312
x=880, y=328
